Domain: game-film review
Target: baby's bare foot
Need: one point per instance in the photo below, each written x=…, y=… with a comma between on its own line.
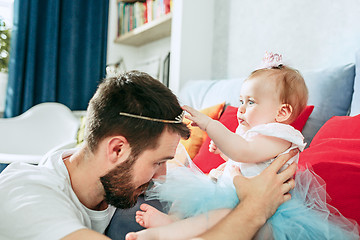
x=150, y=217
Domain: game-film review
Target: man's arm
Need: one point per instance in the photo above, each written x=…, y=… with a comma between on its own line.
x=259, y=196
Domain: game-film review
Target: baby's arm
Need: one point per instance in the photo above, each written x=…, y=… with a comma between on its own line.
x=259, y=149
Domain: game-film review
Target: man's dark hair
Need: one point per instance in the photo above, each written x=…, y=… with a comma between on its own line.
x=135, y=93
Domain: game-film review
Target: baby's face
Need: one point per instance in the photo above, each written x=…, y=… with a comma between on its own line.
x=259, y=102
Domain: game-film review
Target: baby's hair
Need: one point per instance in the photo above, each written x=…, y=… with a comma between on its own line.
x=291, y=85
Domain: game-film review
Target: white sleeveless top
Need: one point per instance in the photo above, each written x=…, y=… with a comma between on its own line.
x=279, y=130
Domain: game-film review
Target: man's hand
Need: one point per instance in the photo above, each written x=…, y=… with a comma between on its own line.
x=267, y=191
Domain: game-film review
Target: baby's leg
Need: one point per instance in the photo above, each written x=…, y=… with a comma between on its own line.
x=183, y=229
x=150, y=217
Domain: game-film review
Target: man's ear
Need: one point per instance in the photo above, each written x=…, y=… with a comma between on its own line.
x=284, y=113
x=118, y=149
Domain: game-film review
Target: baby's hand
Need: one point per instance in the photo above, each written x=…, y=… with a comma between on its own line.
x=198, y=119
x=215, y=173
x=213, y=148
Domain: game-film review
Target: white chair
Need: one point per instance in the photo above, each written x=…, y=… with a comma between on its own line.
x=43, y=128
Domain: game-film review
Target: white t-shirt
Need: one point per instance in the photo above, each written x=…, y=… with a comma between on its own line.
x=37, y=202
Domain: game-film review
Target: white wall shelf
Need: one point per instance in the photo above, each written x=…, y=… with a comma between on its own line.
x=152, y=31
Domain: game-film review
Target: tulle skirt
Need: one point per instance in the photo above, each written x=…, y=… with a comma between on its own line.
x=188, y=192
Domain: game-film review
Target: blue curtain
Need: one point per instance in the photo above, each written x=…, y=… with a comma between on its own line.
x=58, y=53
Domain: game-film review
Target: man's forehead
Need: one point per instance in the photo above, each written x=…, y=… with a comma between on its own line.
x=165, y=147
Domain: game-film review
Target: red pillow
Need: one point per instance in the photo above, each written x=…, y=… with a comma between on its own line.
x=299, y=123
x=338, y=127
x=206, y=160
x=334, y=154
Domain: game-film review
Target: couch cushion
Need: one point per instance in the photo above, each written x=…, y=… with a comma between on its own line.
x=330, y=91
x=355, y=104
x=334, y=155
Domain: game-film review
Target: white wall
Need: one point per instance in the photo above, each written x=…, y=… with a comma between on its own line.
x=311, y=34
x=191, y=42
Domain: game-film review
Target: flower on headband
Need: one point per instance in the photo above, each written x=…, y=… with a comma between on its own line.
x=271, y=60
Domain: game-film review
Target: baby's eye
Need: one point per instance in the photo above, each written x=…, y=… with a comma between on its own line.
x=251, y=102
x=241, y=101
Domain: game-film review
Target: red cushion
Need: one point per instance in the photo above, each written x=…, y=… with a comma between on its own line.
x=206, y=160
x=299, y=123
x=338, y=127
x=334, y=154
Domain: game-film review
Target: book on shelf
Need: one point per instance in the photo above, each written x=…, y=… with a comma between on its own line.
x=135, y=14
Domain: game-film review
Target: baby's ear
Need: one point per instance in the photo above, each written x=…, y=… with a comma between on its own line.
x=284, y=113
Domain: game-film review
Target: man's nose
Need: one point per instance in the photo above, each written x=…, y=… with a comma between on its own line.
x=160, y=171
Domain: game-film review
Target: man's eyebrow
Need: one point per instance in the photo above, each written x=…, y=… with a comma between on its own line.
x=166, y=158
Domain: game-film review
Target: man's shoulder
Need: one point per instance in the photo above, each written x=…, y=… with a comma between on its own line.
x=36, y=199
x=20, y=180
x=24, y=173
x=24, y=181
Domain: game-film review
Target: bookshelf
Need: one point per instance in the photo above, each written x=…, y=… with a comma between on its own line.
x=157, y=28
x=154, y=30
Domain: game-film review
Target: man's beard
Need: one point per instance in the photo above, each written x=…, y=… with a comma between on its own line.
x=119, y=188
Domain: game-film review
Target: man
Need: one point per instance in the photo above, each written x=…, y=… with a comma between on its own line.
x=133, y=127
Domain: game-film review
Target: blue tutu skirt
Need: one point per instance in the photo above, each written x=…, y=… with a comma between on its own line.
x=188, y=192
